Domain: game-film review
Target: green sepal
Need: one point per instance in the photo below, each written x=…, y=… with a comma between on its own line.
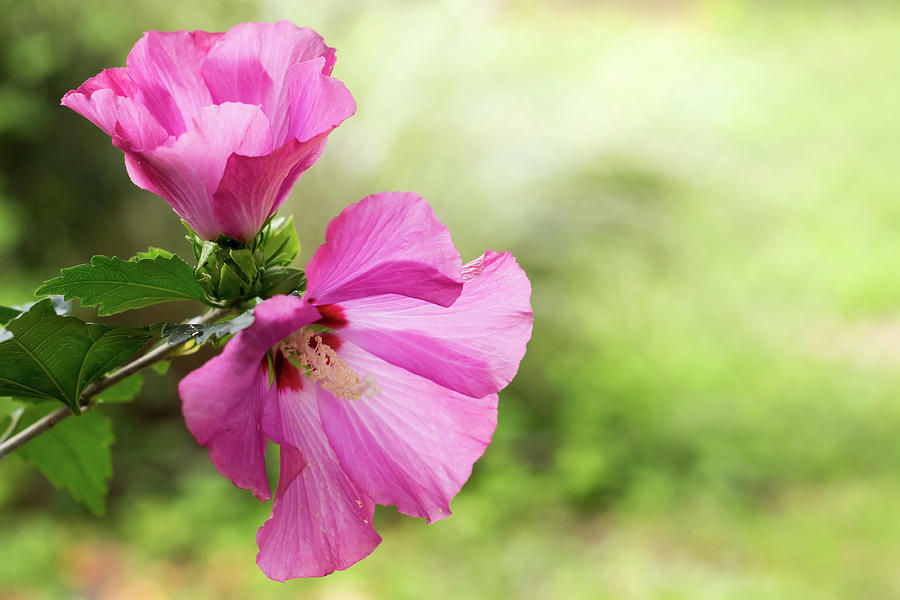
x=279, y=242
x=282, y=280
x=247, y=268
x=228, y=275
x=231, y=285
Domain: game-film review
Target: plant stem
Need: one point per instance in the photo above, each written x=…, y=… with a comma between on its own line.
x=142, y=362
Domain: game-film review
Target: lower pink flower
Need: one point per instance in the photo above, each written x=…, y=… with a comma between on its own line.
x=384, y=389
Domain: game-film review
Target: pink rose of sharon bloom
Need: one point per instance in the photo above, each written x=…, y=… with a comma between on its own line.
x=220, y=125
x=386, y=376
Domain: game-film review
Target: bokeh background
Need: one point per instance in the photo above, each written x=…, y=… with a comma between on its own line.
x=705, y=196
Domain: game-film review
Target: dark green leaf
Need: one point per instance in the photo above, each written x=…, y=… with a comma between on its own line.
x=53, y=357
x=178, y=333
x=124, y=391
x=7, y=314
x=115, y=285
x=73, y=454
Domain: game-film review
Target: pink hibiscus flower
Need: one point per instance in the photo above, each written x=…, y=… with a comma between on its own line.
x=220, y=125
x=386, y=376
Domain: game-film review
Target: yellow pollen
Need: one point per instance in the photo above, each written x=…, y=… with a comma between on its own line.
x=324, y=366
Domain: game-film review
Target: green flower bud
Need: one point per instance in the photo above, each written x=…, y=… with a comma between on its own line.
x=231, y=271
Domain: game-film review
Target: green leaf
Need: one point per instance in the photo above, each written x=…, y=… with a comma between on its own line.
x=162, y=367
x=73, y=454
x=279, y=242
x=179, y=333
x=124, y=391
x=10, y=412
x=7, y=314
x=151, y=253
x=53, y=357
x=8, y=406
x=115, y=285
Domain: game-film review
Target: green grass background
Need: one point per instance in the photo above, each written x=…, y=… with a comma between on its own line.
x=705, y=196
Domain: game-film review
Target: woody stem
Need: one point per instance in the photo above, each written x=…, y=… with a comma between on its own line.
x=155, y=355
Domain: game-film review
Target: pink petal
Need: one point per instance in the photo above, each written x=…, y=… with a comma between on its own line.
x=161, y=110
x=473, y=347
x=414, y=443
x=165, y=65
x=389, y=243
x=223, y=400
x=109, y=101
x=273, y=320
x=250, y=64
x=321, y=522
x=318, y=103
x=266, y=179
x=115, y=79
x=187, y=173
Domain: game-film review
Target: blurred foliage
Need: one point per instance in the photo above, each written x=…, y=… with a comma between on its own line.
x=701, y=193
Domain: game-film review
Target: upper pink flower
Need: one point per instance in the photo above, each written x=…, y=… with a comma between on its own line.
x=386, y=376
x=220, y=125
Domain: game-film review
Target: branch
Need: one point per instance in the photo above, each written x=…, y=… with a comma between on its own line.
x=142, y=362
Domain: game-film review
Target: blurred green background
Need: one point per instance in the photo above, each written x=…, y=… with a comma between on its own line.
x=704, y=197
